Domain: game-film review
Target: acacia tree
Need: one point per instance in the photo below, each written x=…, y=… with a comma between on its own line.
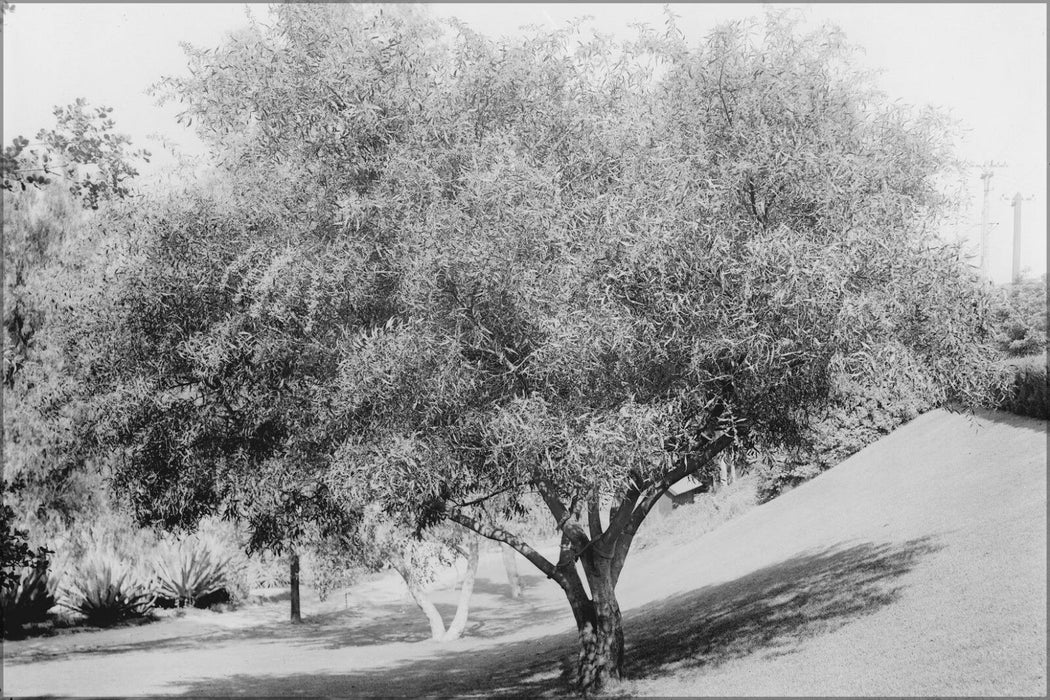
x=451, y=274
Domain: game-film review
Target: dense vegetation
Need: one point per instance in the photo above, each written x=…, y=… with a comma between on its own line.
x=437, y=282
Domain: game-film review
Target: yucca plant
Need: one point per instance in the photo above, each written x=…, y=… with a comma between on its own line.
x=189, y=572
x=105, y=590
x=28, y=599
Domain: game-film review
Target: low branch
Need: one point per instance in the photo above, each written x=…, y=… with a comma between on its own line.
x=652, y=493
x=500, y=535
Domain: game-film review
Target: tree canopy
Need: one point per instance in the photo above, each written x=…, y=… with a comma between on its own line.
x=444, y=274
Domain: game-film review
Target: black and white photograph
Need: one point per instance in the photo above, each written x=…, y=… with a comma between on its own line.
x=576, y=350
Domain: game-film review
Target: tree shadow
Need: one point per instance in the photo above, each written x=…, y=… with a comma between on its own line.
x=769, y=611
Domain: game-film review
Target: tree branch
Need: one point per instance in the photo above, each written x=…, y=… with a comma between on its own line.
x=652, y=493
x=594, y=518
x=500, y=535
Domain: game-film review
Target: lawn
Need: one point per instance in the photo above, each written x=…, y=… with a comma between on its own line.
x=916, y=567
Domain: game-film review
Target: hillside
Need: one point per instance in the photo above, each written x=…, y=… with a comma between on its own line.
x=916, y=567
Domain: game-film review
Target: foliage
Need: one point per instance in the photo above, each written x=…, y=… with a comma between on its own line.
x=438, y=276
x=15, y=553
x=1028, y=394
x=1019, y=317
x=857, y=415
x=29, y=599
x=50, y=249
x=83, y=149
x=106, y=590
x=189, y=571
x=329, y=571
x=26, y=589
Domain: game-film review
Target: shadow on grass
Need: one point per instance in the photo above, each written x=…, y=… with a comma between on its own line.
x=769, y=611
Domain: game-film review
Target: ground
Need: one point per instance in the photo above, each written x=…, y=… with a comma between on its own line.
x=916, y=567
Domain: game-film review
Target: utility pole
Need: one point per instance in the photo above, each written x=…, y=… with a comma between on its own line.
x=986, y=178
x=1016, y=204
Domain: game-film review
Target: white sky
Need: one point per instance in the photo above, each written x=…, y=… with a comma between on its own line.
x=986, y=63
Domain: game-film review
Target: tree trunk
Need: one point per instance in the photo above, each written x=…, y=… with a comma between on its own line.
x=598, y=621
x=723, y=475
x=459, y=622
x=294, y=583
x=511, y=565
x=437, y=625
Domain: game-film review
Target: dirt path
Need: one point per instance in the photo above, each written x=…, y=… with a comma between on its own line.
x=917, y=567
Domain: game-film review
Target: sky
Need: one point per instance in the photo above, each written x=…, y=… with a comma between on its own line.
x=984, y=63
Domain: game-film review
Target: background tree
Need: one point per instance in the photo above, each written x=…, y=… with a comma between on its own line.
x=49, y=248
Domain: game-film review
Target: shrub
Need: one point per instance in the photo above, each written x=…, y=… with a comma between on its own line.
x=327, y=571
x=857, y=415
x=1018, y=317
x=26, y=590
x=266, y=570
x=1027, y=395
x=29, y=599
x=191, y=573
x=106, y=591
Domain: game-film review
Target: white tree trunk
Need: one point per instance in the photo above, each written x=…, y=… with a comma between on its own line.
x=459, y=622
x=437, y=625
x=511, y=565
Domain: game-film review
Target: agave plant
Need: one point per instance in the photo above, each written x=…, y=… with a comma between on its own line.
x=105, y=590
x=189, y=572
x=28, y=599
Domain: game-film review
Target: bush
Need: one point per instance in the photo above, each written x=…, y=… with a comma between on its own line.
x=1018, y=317
x=1027, y=395
x=266, y=570
x=191, y=572
x=26, y=590
x=857, y=415
x=29, y=599
x=105, y=590
x=327, y=571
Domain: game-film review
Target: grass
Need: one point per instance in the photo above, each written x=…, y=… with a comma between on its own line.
x=915, y=567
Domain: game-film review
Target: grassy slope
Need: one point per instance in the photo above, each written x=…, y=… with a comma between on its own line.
x=916, y=567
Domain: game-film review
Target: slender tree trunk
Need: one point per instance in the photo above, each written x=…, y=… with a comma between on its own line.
x=294, y=582
x=723, y=475
x=459, y=622
x=511, y=565
x=437, y=625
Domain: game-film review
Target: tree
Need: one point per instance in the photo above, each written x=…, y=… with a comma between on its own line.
x=629, y=271
x=443, y=275
x=50, y=239
x=83, y=149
